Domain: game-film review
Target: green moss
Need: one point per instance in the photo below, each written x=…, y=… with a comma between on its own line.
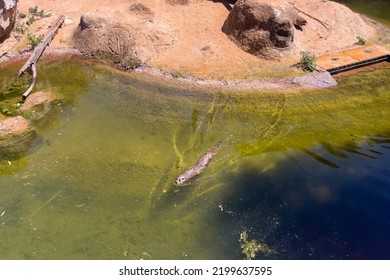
x=34, y=40
x=15, y=87
x=177, y=74
x=252, y=247
x=8, y=110
x=307, y=62
x=117, y=59
x=360, y=41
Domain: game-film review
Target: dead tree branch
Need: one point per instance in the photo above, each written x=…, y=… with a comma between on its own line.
x=37, y=52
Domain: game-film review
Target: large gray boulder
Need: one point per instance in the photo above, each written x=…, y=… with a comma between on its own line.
x=262, y=28
x=7, y=18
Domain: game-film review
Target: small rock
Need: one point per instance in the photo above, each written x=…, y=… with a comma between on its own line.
x=14, y=127
x=68, y=21
x=316, y=80
x=16, y=135
x=39, y=103
x=206, y=48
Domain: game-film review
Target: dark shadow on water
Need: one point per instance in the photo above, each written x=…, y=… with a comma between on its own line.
x=333, y=150
x=330, y=214
x=20, y=147
x=321, y=159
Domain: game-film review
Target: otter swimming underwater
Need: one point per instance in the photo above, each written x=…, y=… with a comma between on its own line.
x=199, y=166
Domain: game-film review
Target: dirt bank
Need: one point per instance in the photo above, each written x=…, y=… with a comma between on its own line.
x=185, y=38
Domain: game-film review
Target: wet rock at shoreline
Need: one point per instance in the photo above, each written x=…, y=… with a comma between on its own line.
x=7, y=18
x=316, y=80
x=39, y=104
x=16, y=135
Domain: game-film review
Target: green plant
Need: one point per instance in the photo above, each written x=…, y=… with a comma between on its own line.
x=21, y=15
x=30, y=20
x=43, y=15
x=307, y=62
x=251, y=247
x=19, y=28
x=35, y=12
x=15, y=88
x=22, y=25
x=177, y=74
x=360, y=41
x=8, y=110
x=34, y=40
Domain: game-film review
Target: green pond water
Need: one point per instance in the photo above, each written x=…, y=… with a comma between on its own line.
x=304, y=171
x=376, y=9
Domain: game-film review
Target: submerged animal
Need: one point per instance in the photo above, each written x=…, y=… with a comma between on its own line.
x=199, y=166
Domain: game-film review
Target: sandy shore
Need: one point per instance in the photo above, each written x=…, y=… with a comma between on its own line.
x=199, y=54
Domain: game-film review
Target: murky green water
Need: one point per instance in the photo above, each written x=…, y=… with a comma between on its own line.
x=306, y=172
x=377, y=9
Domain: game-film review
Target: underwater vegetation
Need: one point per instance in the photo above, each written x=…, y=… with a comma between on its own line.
x=302, y=171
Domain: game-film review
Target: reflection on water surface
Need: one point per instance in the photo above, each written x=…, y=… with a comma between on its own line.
x=306, y=172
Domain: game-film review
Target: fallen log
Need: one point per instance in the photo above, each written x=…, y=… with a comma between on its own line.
x=34, y=77
x=37, y=52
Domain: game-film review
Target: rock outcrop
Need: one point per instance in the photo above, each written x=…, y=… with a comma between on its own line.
x=7, y=18
x=271, y=29
x=262, y=28
x=106, y=40
x=126, y=37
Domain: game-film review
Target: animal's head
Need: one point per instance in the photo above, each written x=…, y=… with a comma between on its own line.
x=180, y=180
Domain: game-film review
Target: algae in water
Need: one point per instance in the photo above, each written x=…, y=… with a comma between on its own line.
x=252, y=247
